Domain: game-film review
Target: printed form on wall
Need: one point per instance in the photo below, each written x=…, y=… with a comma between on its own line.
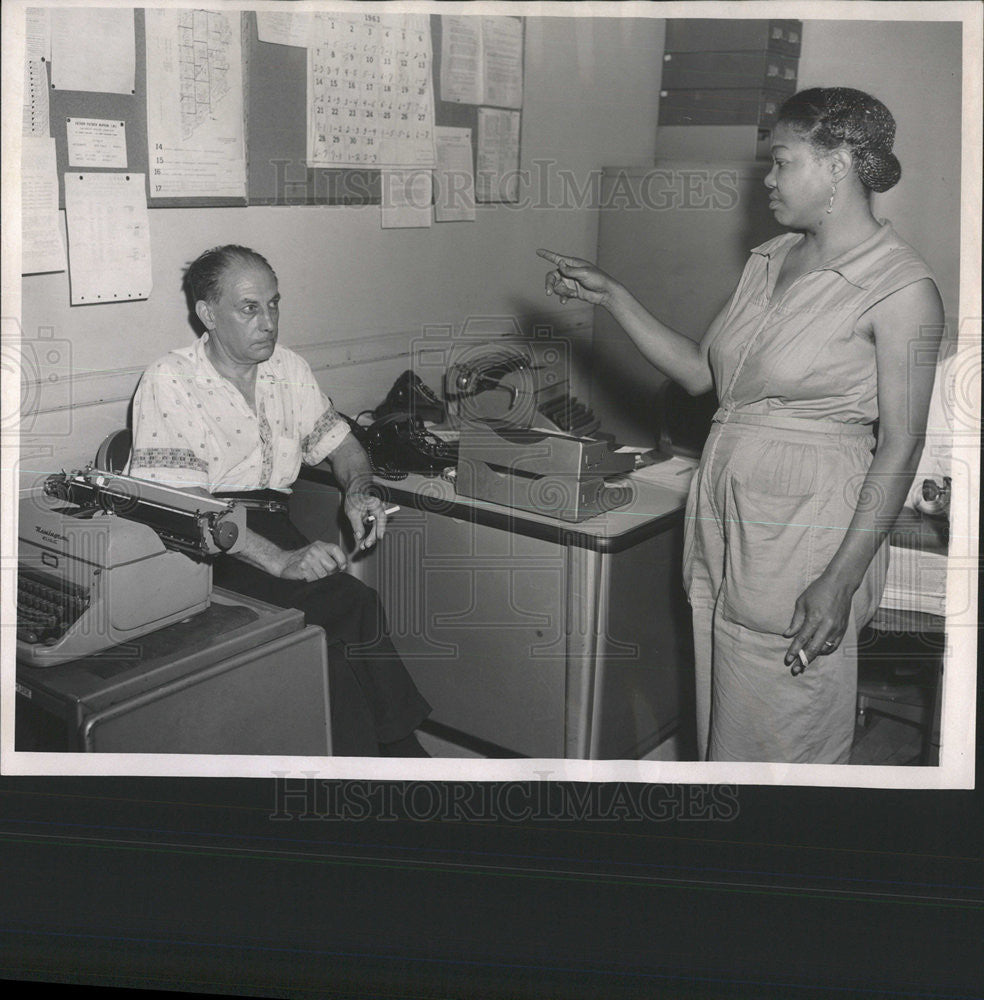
x=96, y=142
x=454, y=179
x=497, y=176
x=370, y=97
x=461, y=60
x=42, y=248
x=108, y=237
x=406, y=199
x=195, y=124
x=482, y=61
x=37, y=31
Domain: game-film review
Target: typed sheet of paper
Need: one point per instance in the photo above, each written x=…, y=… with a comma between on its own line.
x=108, y=237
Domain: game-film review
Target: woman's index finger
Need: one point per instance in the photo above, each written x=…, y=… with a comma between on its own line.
x=554, y=258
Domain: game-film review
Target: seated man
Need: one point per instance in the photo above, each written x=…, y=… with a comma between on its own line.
x=234, y=415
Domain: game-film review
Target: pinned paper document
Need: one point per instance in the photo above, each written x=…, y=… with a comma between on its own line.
x=482, y=61
x=108, y=237
x=93, y=49
x=42, y=247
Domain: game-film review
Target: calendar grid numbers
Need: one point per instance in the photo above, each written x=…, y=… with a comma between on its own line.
x=370, y=92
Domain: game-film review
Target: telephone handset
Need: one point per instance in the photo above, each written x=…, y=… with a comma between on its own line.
x=398, y=444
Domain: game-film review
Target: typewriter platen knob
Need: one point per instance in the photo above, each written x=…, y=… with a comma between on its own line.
x=225, y=533
x=57, y=486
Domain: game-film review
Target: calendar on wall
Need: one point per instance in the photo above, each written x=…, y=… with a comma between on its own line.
x=370, y=96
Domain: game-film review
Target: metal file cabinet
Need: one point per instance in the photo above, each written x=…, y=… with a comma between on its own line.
x=241, y=677
x=526, y=634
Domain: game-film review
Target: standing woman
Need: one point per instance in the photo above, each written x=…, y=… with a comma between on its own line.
x=819, y=430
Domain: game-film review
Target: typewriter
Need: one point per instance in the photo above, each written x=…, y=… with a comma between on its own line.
x=519, y=384
x=104, y=559
x=525, y=440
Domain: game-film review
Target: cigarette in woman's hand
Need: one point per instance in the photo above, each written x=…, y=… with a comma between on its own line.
x=804, y=660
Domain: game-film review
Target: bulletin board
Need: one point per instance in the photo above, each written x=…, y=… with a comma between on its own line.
x=276, y=121
x=276, y=129
x=131, y=110
x=463, y=115
x=275, y=81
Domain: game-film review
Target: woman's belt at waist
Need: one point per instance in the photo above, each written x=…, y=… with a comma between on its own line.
x=769, y=421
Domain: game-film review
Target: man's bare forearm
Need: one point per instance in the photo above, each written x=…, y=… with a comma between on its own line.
x=262, y=553
x=350, y=466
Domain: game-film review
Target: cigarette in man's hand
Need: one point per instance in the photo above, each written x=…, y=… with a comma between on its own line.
x=370, y=520
x=388, y=511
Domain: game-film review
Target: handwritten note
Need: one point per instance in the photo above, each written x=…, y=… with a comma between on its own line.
x=108, y=237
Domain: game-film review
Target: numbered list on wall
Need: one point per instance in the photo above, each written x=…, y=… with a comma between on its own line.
x=195, y=125
x=370, y=97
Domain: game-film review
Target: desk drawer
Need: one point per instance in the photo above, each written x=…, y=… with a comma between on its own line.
x=478, y=615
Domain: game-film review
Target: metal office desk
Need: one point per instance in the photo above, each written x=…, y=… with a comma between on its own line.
x=529, y=635
x=241, y=677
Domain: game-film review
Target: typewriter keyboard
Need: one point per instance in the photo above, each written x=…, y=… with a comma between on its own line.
x=571, y=416
x=47, y=606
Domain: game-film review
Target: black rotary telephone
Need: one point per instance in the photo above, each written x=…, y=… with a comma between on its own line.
x=397, y=442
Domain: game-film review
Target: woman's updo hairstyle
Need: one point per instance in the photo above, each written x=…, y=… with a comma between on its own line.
x=204, y=275
x=831, y=117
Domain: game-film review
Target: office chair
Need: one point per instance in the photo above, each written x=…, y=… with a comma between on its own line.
x=114, y=452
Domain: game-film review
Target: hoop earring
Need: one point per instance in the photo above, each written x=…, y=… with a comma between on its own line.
x=833, y=194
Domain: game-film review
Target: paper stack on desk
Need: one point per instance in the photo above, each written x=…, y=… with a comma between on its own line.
x=674, y=473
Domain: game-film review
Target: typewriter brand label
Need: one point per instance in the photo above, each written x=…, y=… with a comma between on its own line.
x=50, y=534
x=25, y=691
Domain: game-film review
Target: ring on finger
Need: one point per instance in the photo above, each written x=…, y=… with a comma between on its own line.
x=829, y=644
